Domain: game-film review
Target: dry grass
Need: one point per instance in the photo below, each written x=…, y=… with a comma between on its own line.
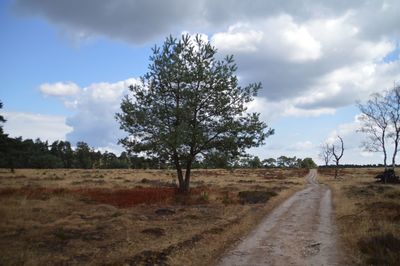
x=368, y=216
x=135, y=217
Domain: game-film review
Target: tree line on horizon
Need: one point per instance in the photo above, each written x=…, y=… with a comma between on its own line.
x=28, y=153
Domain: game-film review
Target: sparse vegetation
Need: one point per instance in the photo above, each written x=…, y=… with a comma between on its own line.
x=368, y=216
x=56, y=218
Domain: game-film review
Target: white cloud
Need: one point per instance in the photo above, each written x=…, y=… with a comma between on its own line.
x=311, y=56
x=344, y=86
x=238, y=38
x=301, y=146
x=273, y=110
x=276, y=37
x=140, y=21
x=95, y=107
x=94, y=118
x=348, y=131
x=329, y=64
x=59, y=89
x=28, y=125
x=105, y=92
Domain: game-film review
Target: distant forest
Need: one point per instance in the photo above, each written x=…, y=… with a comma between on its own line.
x=28, y=153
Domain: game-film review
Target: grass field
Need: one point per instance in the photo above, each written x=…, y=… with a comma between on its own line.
x=132, y=217
x=367, y=214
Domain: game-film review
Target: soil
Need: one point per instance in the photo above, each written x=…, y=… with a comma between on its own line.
x=298, y=232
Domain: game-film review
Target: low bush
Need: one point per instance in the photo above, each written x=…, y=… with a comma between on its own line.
x=388, y=176
x=255, y=196
x=381, y=249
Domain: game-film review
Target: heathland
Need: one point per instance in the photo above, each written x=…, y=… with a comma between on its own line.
x=132, y=216
x=137, y=217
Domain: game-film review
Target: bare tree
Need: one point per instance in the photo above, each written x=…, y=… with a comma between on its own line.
x=375, y=120
x=393, y=102
x=337, y=153
x=326, y=153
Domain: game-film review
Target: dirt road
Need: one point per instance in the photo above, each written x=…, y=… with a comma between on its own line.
x=298, y=232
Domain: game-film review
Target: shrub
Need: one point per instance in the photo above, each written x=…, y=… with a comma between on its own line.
x=255, y=196
x=381, y=249
x=388, y=176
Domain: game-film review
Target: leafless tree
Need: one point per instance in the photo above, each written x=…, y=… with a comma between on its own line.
x=381, y=122
x=326, y=153
x=375, y=120
x=337, y=153
x=393, y=101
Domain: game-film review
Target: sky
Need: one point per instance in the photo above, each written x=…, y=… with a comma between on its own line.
x=65, y=65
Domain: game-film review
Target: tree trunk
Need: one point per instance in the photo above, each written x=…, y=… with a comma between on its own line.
x=384, y=156
x=187, y=176
x=396, y=143
x=336, y=169
x=180, y=178
x=12, y=168
x=384, y=161
x=178, y=168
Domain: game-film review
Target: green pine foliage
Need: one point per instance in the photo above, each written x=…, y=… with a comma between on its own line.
x=189, y=104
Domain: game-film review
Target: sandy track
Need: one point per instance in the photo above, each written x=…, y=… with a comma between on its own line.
x=298, y=232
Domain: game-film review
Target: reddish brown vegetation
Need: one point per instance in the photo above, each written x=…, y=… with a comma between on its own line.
x=121, y=198
x=32, y=193
x=124, y=198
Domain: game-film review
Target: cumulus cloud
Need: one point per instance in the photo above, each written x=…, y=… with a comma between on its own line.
x=329, y=64
x=316, y=55
x=312, y=57
x=278, y=38
x=238, y=38
x=27, y=125
x=274, y=110
x=134, y=21
x=140, y=21
x=59, y=89
x=94, y=114
x=343, y=86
